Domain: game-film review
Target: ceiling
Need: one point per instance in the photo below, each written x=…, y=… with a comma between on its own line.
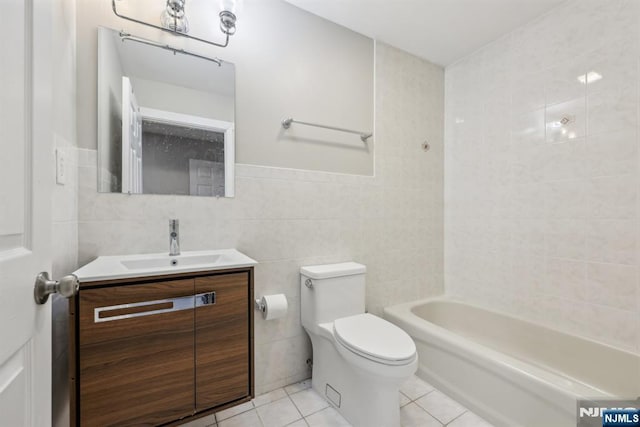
x=441, y=31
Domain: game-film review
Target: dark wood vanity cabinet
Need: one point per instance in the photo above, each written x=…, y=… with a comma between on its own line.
x=221, y=336
x=162, y=350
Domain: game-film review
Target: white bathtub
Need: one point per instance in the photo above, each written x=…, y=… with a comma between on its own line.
x=510, y=371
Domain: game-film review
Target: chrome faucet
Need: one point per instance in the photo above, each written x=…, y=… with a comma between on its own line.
x=174, y=237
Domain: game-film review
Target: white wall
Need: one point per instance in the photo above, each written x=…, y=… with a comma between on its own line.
x=286, y=218
x=167, y=97
x=540, y=223
x=110, y=120
x=288, y=63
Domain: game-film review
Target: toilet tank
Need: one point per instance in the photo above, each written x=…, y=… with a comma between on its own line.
x=336, y=290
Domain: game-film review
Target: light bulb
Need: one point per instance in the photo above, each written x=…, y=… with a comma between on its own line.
x=233, y=6
x=174, y=17
x=228, y=15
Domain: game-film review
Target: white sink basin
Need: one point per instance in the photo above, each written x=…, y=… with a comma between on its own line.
x=170, y=261
x=119, y=267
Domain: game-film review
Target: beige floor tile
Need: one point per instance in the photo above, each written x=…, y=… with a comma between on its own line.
x=233, y=411
x=278, y=413
x=412, y=415
x=328, y=417
x=246, y=419
x=441, y=406
x=308, y=401
x=415, y=387
x=469, y=419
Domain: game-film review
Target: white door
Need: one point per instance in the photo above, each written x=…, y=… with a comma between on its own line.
x=25, y=211
x=206, y=178
x=131, y=140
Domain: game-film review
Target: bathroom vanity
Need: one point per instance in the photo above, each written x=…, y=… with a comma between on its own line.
x=161, y=340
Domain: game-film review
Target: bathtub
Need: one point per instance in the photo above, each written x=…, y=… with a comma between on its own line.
x=510, y=371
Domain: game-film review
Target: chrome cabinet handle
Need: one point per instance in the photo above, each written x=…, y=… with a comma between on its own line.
x=177, y=304
x=207, y=298
x=44, y=286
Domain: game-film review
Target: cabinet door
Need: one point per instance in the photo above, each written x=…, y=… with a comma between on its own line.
x=222, y=341
x=136, y=354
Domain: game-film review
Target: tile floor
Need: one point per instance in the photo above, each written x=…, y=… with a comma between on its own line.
x=298, y=405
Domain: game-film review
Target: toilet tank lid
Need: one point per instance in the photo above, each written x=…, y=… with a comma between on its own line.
x=327, y=271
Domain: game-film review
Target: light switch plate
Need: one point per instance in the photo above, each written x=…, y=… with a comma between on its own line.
x=61, y=167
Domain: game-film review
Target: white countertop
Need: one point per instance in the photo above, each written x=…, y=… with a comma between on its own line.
x=125, y=266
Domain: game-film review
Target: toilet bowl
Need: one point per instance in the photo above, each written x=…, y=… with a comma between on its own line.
x=359, y=360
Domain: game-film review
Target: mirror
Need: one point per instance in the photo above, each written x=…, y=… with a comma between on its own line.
x=165, y=120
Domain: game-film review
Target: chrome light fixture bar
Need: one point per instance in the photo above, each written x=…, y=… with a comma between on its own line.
x=174, y=20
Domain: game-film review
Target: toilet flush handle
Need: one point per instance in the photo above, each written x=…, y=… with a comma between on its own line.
x=308, y=283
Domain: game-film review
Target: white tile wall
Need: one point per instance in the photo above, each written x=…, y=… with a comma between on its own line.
x=542, y=219
x=284, y=218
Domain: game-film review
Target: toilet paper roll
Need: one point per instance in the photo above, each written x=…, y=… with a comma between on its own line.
x=275, y=306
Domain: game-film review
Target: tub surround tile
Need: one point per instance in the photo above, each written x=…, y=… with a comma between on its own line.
x=613, y=153
x=613, y=285
x=566, y=278
x=612, y=241
x=578, y=177
x=610, y=111
x=566, y=121
x=562, y=83
x=613, y=197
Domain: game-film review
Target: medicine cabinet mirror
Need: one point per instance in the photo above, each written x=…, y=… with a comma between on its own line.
x=166, y=120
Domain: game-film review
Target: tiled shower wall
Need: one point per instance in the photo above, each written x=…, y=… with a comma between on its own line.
x=285, y=218
x=541, y=181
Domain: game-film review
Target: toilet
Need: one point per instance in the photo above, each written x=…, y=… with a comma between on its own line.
x=359, y=360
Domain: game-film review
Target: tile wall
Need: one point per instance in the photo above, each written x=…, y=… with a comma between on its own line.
x=541, y=172
x=287, y=218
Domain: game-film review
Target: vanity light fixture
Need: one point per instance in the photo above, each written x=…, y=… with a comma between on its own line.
x=174, y=19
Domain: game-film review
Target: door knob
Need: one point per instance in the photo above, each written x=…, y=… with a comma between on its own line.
x=67, y=287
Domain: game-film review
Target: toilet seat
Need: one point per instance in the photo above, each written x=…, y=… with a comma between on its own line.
x=375, y=339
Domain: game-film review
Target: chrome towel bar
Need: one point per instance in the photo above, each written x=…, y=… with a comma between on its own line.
x=364, y=136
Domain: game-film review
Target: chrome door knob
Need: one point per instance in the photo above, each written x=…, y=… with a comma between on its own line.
x=67, y=287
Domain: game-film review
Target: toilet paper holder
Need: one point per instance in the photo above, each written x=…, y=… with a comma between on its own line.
x=260, y=306
x=272, y=306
